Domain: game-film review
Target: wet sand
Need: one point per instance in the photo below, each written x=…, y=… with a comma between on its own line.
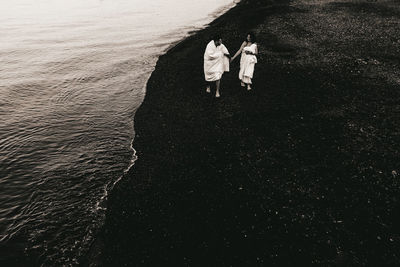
x=301, y=170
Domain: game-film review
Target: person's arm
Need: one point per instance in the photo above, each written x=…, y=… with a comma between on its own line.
x=225, y=51
x=239, y=51
x=213, y=54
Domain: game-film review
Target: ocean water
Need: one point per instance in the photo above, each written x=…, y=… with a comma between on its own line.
x=72, y=74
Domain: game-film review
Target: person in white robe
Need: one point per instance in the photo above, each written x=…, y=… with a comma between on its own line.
x=248, y=59
x=216, y=62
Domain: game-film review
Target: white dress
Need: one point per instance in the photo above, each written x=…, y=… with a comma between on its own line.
x=215, y=62
x=247, y=64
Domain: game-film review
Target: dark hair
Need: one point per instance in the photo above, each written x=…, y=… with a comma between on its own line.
x=217, y=37
x=252, y=36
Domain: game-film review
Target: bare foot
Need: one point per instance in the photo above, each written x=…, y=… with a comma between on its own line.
x=217, y=95
x=242, y=84
x=248, y=87
x=208, y=90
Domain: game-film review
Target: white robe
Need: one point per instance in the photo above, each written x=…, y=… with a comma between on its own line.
x=215, y=63
x=247, y=64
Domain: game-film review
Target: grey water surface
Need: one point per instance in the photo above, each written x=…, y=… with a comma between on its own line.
x=72, y=74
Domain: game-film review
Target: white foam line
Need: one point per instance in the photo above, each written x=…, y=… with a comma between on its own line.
x=109, y=186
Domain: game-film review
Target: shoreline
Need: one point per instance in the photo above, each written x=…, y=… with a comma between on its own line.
x=214, y=15
x=225, y=197
x=93, y=256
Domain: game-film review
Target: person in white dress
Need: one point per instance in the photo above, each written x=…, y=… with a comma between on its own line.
x=248, y=59
x=216, y=62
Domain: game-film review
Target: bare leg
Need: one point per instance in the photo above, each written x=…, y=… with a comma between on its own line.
x=242, y=84
x=247, y=82
x=208, y=88
x=218, y=83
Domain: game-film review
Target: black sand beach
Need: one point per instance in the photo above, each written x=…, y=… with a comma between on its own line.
x=304, y=169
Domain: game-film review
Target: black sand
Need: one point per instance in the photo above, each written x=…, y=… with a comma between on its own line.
x=302, y=170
